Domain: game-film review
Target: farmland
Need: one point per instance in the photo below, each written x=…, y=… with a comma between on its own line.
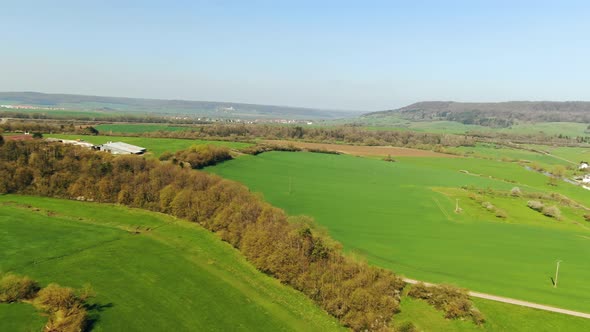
x=360, y=150
x=151, y=272
x=137, y=128
x=401, y=216
x=155, y=146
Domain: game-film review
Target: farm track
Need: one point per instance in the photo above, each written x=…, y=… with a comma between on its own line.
x=515, y=302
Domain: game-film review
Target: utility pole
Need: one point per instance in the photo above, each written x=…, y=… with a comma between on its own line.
x=556, y=274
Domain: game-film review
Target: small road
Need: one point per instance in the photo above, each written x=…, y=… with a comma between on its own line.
x=515, y=302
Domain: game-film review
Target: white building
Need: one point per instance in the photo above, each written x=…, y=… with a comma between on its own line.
x=121, y=148
x=583, y=165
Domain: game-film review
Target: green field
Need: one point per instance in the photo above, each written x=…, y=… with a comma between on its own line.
x=137, y=128
x=401, y=216
x=155, y=146
x=556, y=156
x=500, y=317
x=151, y=272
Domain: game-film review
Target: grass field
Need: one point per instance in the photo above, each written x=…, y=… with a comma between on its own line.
x=151, y=272
x=498, y=152
x=500, y=317
x=137, y=128
x=155, y=146
x=397, y=216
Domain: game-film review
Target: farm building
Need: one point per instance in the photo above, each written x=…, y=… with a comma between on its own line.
x=584, y=165
x=121, y=148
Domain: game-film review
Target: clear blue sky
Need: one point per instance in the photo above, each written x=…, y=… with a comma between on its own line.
x=362, y=55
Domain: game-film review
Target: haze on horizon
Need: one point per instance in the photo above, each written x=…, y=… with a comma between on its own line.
x=367, y=56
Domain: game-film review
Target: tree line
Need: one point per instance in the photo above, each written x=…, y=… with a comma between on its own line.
x=362, y=297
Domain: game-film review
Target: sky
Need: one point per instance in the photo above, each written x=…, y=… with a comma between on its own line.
x=351, y=55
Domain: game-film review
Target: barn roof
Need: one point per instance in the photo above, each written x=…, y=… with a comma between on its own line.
x=123, y=147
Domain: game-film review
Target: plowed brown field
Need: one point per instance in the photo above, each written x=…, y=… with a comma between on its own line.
x=358, y=150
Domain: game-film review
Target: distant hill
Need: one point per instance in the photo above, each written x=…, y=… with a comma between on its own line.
x=161, y=106
x=501, y=114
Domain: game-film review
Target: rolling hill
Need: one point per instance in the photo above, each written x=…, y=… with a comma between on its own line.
x=502, y=114
x=151, y=272
x=170, y=107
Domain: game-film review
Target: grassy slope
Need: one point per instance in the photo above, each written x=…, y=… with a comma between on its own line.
x=389, y=213
x=570, y=129
x=176, y=276
x=20, y=317
x=155, y=146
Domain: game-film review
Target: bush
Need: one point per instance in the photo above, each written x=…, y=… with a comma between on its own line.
x=200, y=156
x=14, y=288
x=389, y=159
x=535, y=205
x=552, y=211
x=66, y=308
x=488, y=206
x=516, y=192
x=587, y=217
x=453, y=301
x=407, y=327
x=54, y=297
x=501, y=214
x=166, y=156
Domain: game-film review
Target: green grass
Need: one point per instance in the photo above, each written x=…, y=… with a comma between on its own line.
x=500, y=317
x=155, y=146
x=172, y=276
x=499, y=152
x=20, y=317
x=137, y=128
x=396, y=216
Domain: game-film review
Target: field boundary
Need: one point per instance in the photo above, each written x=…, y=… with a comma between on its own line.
x=514, y=301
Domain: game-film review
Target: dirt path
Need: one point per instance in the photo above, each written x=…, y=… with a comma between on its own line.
x=515, y=302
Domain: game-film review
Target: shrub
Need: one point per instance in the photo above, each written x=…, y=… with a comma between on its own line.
x=501, y=214
x=516, y=192
x=66, y=308
x=54, y=297
x=453, y=301
x=166, y=156
x=535, y=205
x=14, y=288
x=587, y=217
x=488, y=206
x=552, y=211
x=389, y=159
x=407, y=327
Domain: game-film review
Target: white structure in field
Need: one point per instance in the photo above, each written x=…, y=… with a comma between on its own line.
x=121, y=148
x=584, y=165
